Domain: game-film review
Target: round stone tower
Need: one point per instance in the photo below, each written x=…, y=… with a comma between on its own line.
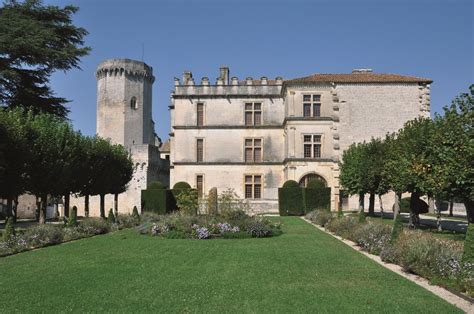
x=124, y=96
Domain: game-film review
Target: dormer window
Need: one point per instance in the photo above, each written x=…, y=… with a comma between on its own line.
x=133, y=103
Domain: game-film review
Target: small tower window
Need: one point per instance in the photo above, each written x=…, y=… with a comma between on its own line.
x=133, y=103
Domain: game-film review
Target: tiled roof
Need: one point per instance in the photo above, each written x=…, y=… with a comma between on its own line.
x=165, y=147
x=358, y=78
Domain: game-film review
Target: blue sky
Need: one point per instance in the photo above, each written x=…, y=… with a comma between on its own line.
x=296, y=38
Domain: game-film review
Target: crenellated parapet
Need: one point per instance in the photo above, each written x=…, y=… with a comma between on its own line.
x=125, y=67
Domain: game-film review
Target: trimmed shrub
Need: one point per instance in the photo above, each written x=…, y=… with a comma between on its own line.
x=315, y=184
x=156, y=185
x=158, y=201
x=9, y=231
x=316, y=198
x=43, y=235
x=468, y=255
x=111, y=216
x=291, y=184
x=259, y=229
x=290, y=201
x=72, y=222
x=212, y=202
x=181, y=185
x=135, y=213
x=362, y=216
x=397, y=228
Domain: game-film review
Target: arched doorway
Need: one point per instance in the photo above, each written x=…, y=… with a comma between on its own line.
x=310, y=177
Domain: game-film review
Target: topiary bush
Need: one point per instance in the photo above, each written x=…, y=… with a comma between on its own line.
x=72, y=222
x=9, y=229
x=158, y=201
x=156, y=185
x=212, y=202
x=291, y=184
x=316, y=184
x=362, y=216
x=111, y=216
x=468, y=254
x=317, y=198
x=181, y=185
x=291, y=199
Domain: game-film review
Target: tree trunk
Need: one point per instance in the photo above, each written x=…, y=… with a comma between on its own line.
x=381, y=206
x=15, y=209
x=42, y=213
x=116, y=204
x=451, y=204
x=361, y=202
x=9, y=207
x=469, y=210
x=431, y=205
x=396, y=205
x=86, y=206
x=414, y=221
x=102, y=205
x=67, y=197
x=438, y=219
x=38, y=208
x=371, y=203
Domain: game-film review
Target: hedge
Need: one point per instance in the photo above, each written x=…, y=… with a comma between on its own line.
x=159, y=201
x=291, y=201
x=316, y=198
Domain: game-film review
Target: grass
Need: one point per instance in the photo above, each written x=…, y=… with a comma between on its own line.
x=303, y=270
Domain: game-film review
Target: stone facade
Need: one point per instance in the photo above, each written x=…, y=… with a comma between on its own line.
x=304, y=126
x=124, y=115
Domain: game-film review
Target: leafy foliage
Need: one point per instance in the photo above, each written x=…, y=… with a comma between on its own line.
x=468, y=255
x=37, y=40
x=111, y=216
x=187, y=201
x=9, y=229
x=72, y=222
x=290, y=184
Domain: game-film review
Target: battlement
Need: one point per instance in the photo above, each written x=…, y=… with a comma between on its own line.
x=225, y=86
x=119, y=67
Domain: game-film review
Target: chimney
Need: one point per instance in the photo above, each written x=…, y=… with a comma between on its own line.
x=187, y=75
x=362, y=71
x=224, y=74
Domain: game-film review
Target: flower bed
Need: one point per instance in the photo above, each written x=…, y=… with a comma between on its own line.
x=418, y=252
x=235, y=225
x=45, y=235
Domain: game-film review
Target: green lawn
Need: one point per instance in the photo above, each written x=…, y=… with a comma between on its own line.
x=303, y=270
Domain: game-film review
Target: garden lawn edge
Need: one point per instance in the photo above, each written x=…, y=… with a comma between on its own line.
x=444, y=294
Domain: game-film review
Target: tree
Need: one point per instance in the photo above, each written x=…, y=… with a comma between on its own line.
x=122, y=164
x=352, y=172
x=14, y=152
x=46, y=145
x=409, y=163
x=35, y=41
x=454, y=165
x=374, y=180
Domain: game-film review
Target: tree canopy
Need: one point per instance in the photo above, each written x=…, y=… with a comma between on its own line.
x=35, y=41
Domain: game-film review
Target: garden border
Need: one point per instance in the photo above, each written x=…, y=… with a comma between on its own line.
x=458, y=301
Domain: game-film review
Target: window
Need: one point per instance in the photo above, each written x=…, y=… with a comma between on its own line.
x=312, y=146
x=253, y=150
x=253, y=113
x=199, y=150
x=199, y=185
x=311, y=105
x=133, y=103
x=253, y=186
x=200, y=114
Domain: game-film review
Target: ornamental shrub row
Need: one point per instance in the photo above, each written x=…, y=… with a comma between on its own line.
x=294, y=200
x=156, y=198
x=441, y=261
